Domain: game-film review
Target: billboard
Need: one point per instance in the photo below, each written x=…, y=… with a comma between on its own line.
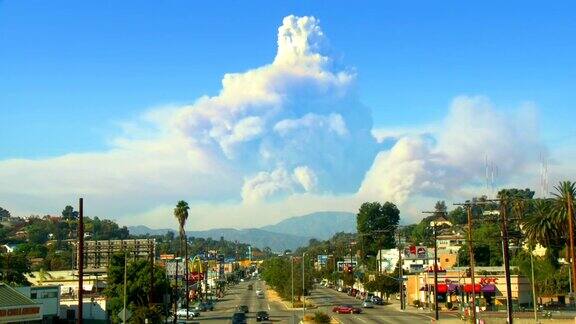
x=346, y=266
x=416, y=252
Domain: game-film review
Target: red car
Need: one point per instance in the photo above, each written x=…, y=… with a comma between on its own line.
x=346, y=309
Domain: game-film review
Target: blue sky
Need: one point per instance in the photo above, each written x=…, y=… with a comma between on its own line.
x=72, y=73
x=66, y=63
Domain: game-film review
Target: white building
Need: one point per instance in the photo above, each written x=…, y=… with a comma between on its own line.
x=48, y=297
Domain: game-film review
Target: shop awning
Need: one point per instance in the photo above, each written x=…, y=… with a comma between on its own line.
x=489, y=288
x=442, y=288
x=452, y=287
x=468, y=288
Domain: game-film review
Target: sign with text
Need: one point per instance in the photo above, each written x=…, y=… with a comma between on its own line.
x=416, y=252
x=348, y=266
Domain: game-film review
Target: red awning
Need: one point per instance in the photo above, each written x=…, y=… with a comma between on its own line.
x=468, y=288
x=442, y=288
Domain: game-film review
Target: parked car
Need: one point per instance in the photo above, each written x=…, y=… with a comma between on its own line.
x=259, y=293
x=346, y=309
x=204, y=306
x=262, y=316
x=239, y=318
x=367, y=304
x=377, y=300
x=181, y=313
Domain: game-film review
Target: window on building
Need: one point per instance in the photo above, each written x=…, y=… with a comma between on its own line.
x=33, y=295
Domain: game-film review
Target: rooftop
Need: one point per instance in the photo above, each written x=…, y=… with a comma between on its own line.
x=11, y=297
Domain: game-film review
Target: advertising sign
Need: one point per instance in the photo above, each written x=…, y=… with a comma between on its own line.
x=415, y=252
x=347, y=266
x=322, y=260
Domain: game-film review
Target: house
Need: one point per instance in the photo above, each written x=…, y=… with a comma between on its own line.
x=15, y=307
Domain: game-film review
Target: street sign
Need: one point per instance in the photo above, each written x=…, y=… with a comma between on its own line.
x=128, y=314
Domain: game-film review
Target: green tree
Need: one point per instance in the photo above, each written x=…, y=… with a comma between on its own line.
x=69, y=213
x=376, y=224
x=138, y=278
x=181, y=214
x=13, y=267
x=4, y=213
x=384, y=284
x=458, y=216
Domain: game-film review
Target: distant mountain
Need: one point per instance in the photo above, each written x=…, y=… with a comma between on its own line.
x=143, y=230
x=290, y=233
x=255, y=237
x=320, y=225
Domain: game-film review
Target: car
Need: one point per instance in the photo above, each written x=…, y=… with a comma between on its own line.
x=181, y=313
x=367, y=304
x=239, y=318
x=243, y=308
x=346, y=309
x=204, y=306
x=259, y=293
x=377, y=300
x=262, y=316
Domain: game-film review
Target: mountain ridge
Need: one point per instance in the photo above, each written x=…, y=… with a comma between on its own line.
x=294, y=231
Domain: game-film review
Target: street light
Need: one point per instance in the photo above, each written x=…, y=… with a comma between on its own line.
x=436, y=315
x=303, y=287
x=292, y=277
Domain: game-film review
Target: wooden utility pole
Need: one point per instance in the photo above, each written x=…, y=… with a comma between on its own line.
x=434, y=229
x=469, y=206
x=506, y=256
x=400, y=274
x=570, y=214
x=80, y=260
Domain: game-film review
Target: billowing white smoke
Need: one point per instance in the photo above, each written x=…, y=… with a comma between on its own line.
x=298, y=113
x=443, y=162
x=292, y=126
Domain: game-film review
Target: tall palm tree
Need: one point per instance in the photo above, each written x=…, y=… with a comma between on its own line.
x=541, y=225
x=181, y=214
x=564, y=208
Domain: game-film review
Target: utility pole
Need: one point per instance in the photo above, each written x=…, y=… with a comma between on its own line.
x=80, y=260
x=400, y=274
x=124, y=297
x=186, y=271
x=151, y=294
x=468, y=206
x=504, y=220
x=303, y=287
x=436, y=315
x=292, y=278
x=434, y=224
x=176, y=294
x=570, y=214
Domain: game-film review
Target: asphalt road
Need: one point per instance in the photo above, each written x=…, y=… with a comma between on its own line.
x=240, y=295
x=326, y=299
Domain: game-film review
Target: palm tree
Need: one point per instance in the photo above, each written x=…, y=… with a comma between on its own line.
x=541, y=225
x=181, y=214
x=564, y=209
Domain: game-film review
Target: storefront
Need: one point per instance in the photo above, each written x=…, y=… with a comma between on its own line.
x=455, y=287
x=17, y=308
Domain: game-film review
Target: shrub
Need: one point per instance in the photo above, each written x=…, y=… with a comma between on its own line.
x=320, y=317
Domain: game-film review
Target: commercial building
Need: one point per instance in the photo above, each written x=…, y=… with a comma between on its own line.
x=15, y=307
x=48, y=297
x=97, y=254
x=456, y=286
